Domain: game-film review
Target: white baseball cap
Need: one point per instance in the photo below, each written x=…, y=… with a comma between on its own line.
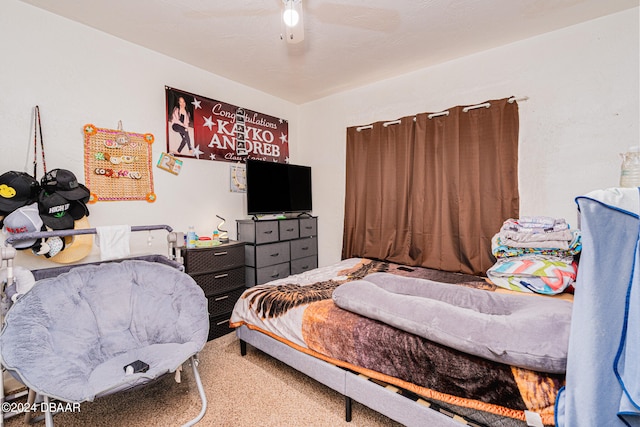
x=23, y=220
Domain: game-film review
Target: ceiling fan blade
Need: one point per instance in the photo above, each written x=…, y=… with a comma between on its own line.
x=250, y=9
x=368, y=18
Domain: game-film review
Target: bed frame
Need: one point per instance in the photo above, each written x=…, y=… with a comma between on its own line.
x=351, y=385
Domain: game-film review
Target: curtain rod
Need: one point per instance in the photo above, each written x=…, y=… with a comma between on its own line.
x=445, y=112
x=488, y=104
x=441, y=113
x=473, y=107
x=514, y=99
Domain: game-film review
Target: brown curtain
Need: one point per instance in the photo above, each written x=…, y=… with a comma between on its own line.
x=457, y=185
x=378, y=184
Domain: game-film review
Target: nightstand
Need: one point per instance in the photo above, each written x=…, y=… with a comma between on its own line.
x=220, y=272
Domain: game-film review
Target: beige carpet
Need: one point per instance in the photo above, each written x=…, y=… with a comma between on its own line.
x=254, y=390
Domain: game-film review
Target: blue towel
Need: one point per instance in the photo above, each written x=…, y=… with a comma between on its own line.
x=603, y=364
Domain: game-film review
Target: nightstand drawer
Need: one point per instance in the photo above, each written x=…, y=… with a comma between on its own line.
x=222, y=304
x=308, y=227
x=303, y=264
x=222, y=257
x=220, y=281
x=219, y=326
x=289, y=229
x=273, y=253
x=272, y=272
x=304, y=247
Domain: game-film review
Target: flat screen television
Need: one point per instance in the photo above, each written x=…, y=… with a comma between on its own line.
x=274, y=188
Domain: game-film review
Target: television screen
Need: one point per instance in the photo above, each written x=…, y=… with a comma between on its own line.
x=277, y=188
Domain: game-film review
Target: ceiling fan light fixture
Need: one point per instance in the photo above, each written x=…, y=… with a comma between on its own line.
x=290, y=17
x=293, y=21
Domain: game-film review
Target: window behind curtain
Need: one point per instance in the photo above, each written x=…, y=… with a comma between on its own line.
x=432, y=192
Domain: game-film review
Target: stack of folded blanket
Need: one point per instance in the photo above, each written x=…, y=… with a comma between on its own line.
x=535, y=254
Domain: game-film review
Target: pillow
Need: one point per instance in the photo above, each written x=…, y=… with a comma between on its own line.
x=520, y=330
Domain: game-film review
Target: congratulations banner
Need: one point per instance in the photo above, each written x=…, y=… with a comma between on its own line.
x=207, y=129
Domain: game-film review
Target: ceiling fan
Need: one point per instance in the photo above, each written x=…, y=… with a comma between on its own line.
x=346, y=13
x=293, y=22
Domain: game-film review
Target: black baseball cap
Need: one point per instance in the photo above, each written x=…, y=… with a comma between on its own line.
x=17, y=189
x=65, y=183
x=55, y=211
x=78, y=209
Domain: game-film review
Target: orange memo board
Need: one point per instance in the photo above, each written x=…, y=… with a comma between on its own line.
x=118, y=164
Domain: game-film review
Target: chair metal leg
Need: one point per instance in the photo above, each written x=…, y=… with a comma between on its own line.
x=48, y=414
x=31, y=398
x=2, y=397
x=203, y=396
x=347, y=409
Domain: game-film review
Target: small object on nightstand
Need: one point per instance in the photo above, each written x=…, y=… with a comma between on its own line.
x=204, y=242
x=223, y=235
x=191, y=238
x=216, y=238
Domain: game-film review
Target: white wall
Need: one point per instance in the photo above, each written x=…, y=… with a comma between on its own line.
x=583, y=109
x=78, y=75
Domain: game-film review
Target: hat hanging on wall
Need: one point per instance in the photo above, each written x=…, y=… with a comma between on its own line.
x=54, y=211
x=65, y=183
x=17, y=189
x=25, y=219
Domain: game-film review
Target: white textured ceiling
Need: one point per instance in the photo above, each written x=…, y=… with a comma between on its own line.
x=348, y=43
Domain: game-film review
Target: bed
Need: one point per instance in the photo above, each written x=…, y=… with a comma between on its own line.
x=346, y=326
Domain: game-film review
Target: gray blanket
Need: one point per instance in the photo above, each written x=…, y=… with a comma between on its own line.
x=71, y=336
x=530, y=332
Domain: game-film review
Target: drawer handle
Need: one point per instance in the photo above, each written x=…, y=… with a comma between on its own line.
x=268, y=232
x=222, y=298
x=290, y=229
x=219, y=253
x=221, y=276
x=306, y=267
x=275, y=276
x=308, y=227
x=223, y=322
x=276, y=254
x=306, y=248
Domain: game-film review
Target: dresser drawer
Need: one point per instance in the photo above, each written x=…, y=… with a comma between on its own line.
x=223, y=303
x=264, y=255
x=221, y=281
x=303, y=264
x=304, y=247
x=258, y=232
x=289, y=229
x=272, y=272
x=308, y=227
x=222, y=257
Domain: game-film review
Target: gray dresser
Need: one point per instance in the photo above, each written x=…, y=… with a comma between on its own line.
x=277, y=248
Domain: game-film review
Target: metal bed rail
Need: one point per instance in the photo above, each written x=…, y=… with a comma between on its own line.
x=74, y=232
